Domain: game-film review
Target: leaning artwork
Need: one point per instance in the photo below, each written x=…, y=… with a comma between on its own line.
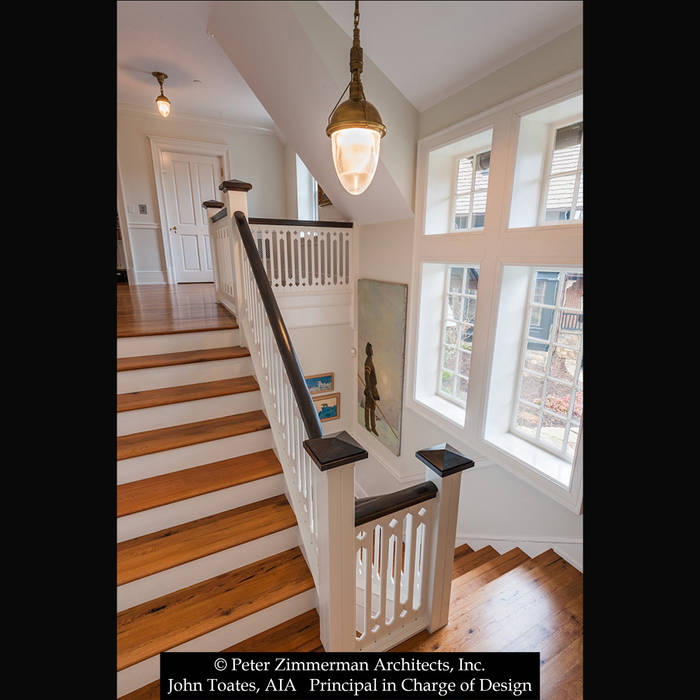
x=381, y=331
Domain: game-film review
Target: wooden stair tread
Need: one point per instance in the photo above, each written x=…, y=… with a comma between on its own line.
x=301, y=633
x=149, y=441
x=171, y=327
x=161, y=624
x=158, y=551
x=471, y=560
x=134, y=400
x=180, y=358
x=137, y=496
x=490, y=570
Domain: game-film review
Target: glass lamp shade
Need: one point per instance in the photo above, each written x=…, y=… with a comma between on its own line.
x=163, y=104
x=355, y=157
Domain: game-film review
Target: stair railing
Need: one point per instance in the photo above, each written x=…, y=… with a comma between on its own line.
x=382, y=566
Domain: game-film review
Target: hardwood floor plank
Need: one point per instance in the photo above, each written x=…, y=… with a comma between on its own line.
x=137, y=496
x=158, y=551
x=134, y=400
x=180, y=358
x=161, y=624
x=149, y=441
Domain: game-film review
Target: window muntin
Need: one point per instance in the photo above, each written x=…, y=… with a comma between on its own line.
x=563, y=199
x=461, y=283
x=549, y=396
x=470, y=192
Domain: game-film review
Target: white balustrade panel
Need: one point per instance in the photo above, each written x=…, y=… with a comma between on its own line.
x=298, y=258
x=221, y=234
x=285, y=419
x=392, y=568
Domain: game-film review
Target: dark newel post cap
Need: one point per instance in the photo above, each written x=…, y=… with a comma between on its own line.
x=334, y=450
x=444, y=459
x=237, y=185
x=212, y=204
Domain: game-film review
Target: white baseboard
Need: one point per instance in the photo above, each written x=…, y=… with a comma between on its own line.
x=147, y=277
x=568, y=548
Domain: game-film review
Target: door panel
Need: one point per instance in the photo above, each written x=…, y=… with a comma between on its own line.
x=190, y=180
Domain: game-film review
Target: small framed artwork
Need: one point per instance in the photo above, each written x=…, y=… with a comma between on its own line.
x=328, y=407
x=320, y=383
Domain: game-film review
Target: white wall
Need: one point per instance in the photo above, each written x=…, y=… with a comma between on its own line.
x=257, y=156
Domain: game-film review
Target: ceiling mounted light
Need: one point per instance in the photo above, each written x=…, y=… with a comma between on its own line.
x=162, y=102
x=355, y=127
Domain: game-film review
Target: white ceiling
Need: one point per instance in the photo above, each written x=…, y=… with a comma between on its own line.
x=171, y=37
x=430, y=50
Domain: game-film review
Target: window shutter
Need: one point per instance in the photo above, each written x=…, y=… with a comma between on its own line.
x=568, y=136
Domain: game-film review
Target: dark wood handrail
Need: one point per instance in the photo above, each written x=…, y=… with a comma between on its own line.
x=301, y=222
x=309, y=416
x=374, y=507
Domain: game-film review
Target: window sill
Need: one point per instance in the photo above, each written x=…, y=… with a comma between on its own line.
x=451, y=411
x=543, y=462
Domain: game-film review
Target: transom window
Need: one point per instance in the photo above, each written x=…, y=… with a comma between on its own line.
x=549, y=394
x=470, y=191
x=563, y=200
x=457, y=330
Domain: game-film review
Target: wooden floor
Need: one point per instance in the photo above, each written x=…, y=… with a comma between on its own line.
x=157, y=309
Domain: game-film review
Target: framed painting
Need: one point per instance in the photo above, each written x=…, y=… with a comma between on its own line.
x=320, y=383
x=327, y=407
x=381, y=334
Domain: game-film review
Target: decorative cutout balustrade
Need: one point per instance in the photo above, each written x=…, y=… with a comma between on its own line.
x=382, y=565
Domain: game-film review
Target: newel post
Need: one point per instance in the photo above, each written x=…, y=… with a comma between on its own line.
x=335, y=456
x=211, y=208
x=444, y=465
x=236, y=198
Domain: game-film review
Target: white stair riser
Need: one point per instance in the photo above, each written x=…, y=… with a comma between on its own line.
x=187, y=412
x=147, y=671
x=170, y=580
x=162, y=517
x=167, y=461
x=176, y=342
x=178, y=375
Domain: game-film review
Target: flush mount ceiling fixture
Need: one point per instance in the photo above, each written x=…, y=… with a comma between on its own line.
x=162, y=102
x=355, y=127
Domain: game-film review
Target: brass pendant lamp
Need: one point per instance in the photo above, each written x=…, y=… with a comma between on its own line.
x=162, y=102
x=355, y=127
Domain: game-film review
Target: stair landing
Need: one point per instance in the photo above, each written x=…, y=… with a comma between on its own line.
x=158, y=309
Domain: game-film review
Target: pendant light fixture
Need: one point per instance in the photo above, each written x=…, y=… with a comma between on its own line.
x=355, y=127
x=162, y=102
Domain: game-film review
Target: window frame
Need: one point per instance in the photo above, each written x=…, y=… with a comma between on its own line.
x=547, y=177
x=525, y=339
x=472, y=191
x=443, y=329
x=495, y=248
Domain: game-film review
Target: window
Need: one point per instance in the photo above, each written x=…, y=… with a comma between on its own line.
x=470, y=191
x=549, y=396
x=457, y=332
x=563, y=199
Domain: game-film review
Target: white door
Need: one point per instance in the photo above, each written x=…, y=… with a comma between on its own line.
x=189, y=181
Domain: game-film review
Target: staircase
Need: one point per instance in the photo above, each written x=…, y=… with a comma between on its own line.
x=506, y=602
x=207, y=551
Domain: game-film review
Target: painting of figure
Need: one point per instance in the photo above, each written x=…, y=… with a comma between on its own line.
x=381, y=332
